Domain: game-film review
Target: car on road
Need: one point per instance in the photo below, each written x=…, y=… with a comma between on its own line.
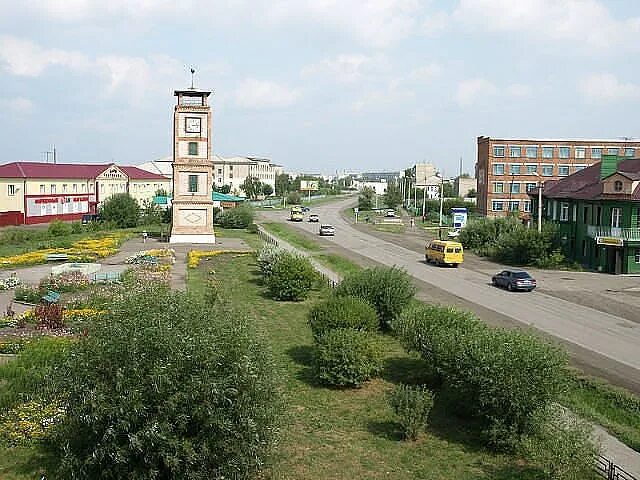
x=514, y=280
x=314, y=217
x=390, y=213
x=305, y=209
x=328, y=230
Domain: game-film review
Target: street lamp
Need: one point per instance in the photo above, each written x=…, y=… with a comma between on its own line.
x=540, y=186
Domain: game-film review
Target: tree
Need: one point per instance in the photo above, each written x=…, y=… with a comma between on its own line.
x=152, y=214
x=252, y=187
x=393, y=196
x=267, y=189
x=156, y=390
x=161, y=192
x=472, y=193
x=293, y=198
x=447, y=190
x=365, y=200
x=121, y=209
x=283, y=184
x=222, y=189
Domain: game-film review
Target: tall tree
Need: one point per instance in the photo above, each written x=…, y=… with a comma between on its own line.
x=283, y=184
x=267, y=189
x=393, y=196
x=365, y=200
x=252, y=187
x=447, y=190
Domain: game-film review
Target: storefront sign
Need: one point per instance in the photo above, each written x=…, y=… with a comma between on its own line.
x=610, y=241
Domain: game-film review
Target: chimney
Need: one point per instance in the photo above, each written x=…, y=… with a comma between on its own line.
x=609, y=165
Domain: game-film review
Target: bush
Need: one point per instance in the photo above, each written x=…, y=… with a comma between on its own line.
x=65, y=282
x=27, y=294
x=239, y=217
x=76, y=227
x=412, y=405
x=560, y=446
x=252, y=227
x=291, y=277
x=59, y=229
x=502, y=377
x=158, y=390
x=347, y=358
x=121, y=209
x=293, y=198
x=342, y=312
x=267, y=257
x=388, y=290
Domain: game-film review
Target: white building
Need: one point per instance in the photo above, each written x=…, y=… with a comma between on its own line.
x=232, y=171
x=379, y=187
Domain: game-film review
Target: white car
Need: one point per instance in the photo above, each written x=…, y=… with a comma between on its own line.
x=314, y=217
x=328, y=230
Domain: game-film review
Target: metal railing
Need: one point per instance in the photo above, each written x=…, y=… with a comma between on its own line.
x=609, y=470
x=628, y=234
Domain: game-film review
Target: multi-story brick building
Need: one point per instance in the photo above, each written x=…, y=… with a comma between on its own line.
x=508, y=168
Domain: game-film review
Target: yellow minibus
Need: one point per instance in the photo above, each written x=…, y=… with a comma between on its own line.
x=443, y=252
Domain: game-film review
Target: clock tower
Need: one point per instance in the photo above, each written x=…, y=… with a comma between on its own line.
x=192, y=169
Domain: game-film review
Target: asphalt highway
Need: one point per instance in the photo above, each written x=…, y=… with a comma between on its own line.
x=602, y=342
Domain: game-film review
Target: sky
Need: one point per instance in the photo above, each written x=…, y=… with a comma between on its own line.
x=316, y=85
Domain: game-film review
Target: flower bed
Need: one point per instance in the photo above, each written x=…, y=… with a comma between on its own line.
x=9, y=282
x=82, y=250
x=144, y=257
x=150, y=273
x=72, y=281
x=195, y=256
x=29, y=422
x=11, y=347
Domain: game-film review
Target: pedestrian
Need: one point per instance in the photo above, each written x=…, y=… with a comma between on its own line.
x=413, y=223
x=144, y=237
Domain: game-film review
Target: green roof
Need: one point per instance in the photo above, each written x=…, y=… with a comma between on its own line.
x=224, y=197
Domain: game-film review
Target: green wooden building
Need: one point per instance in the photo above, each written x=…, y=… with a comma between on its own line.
x=598, y=213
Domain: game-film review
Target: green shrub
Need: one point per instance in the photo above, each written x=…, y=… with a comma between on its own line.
x=239, y=217
x=560, y=445
x=342, y=312
x=27, y=294
x=412, y=405
x=158, y=390
x=252, y=227
x=11, y=347
x=502, y=377
x=76, y=227
x=291, y=277
x=267, y=257
x=59, y=229
x=388, y=290
x=121, y=209
x=347, y=358
x=293, y=198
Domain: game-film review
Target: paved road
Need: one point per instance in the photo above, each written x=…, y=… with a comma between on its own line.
x=603, y=343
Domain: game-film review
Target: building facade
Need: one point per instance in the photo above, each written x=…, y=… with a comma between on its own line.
x=463, y=185
x=34, y=192
x=508, y=168
x=426, y=176
x=597, y=211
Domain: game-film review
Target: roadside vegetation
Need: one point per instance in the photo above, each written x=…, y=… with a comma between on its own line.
x=292, y=236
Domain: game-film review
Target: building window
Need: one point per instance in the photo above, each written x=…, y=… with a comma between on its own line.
x=596, y=153
x=11, y=190
x=532, y=152
x=498, y=151
x=498, y=168
x=547, y=152
x=598, y=216
x=585, y=214
x=531, y=187
x=574, y=213
x=230, y=167
x=580, y=152
x=53, y=188
x=193, y=148
x=64, y=188
x=616, y=217
x=612, y=151
x=617, y=186
x=584, y=248
x=497, y=205
x=43, y=189
x=563, y=170
x=531, y=169
x=629, y=152
x=637, y=255
x=75, y=188
x=564, y=212
x=547, y=170
x=564, y=152
x=514, y=169
x=526, y=206
x=514, y=205
x=219, y=180
x=515, y=152
x=515, y=187
x=84, y=187
x=498, y=187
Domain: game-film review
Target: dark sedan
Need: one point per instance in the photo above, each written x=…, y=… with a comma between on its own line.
x=514, y=280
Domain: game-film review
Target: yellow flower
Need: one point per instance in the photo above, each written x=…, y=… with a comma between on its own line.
x=194, y=256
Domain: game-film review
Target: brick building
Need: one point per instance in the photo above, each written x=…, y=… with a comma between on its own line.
x=508, y=168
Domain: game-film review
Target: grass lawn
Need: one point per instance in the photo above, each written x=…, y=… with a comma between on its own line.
x=252, y=239
x=291, y=236
x=389, y=228
x=348, y=434
x=337, y=263
x=25, y=463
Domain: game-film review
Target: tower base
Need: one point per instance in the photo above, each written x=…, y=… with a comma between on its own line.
x=193, y=238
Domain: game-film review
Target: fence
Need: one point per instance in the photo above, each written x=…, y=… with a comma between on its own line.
x=609, y=470
x=267, y=237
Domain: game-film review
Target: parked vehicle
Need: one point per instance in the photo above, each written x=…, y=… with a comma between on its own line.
x=327, y=230
x=314, y=217
x=514, y=280
x=390, y=213
x=443, y=252
x=86, y=219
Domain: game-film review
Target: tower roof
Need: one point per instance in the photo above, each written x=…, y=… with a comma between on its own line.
x=192, y=92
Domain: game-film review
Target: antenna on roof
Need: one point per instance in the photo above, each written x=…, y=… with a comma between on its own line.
x=193, y=72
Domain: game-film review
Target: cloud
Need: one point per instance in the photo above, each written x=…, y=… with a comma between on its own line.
x=605, y=87
x=519, y=90
x=25, y=58
x=393, y=94
x=425, y=73
x=346, y=68
x=20, y=105
x=585, y=23
x=435, y=23
x=257, y=94
x=468, y=91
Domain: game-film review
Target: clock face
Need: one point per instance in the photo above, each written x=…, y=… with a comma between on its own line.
x=192, y=124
